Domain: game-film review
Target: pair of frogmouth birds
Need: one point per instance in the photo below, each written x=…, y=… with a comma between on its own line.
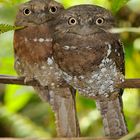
x=72, y=48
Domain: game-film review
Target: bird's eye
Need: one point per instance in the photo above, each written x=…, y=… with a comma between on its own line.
x=72, y=21
x=26, y=12
x=53, y=9
x=99, y=21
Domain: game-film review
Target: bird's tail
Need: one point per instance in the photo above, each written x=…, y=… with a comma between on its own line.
x=113, y=117
x=62, y=101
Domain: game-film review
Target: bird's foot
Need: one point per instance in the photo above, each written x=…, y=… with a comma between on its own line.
x=28, y=79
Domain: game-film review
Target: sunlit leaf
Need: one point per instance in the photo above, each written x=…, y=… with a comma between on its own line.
x=16, y=97
x=137, y=44
x=6, y=55
x=117, y=4
x=68, y=3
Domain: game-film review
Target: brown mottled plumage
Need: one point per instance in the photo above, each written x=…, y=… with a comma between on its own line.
x=33, y=60
x=91, y=59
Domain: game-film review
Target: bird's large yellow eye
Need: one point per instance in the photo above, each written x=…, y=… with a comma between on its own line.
x=27, y=12
x=53, y=9
x=72, y=21
x=99, y=21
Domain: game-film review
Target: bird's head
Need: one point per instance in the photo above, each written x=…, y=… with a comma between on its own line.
x=36, y=12
x=84, y=20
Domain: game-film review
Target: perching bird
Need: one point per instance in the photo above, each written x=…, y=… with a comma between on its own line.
x=91, y=59
x=33, y=60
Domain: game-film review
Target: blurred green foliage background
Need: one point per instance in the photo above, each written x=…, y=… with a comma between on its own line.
x=22, y=114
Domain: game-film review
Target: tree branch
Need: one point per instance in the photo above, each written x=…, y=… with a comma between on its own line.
x=130, y=83
x=6, y=79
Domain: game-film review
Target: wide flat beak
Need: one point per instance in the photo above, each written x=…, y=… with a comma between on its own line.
x=86, y=30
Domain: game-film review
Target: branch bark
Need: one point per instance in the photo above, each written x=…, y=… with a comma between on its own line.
x=130, y=83
x=6, y=79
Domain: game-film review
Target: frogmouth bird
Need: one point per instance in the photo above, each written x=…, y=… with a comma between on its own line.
x=91, y=59
x=34, y=60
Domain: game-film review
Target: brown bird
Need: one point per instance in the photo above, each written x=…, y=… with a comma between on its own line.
x=33, y=60
x=91, y=59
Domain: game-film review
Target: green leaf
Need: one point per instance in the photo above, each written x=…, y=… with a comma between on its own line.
x=17, y=97
x=117, y=4
x=5, y=28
